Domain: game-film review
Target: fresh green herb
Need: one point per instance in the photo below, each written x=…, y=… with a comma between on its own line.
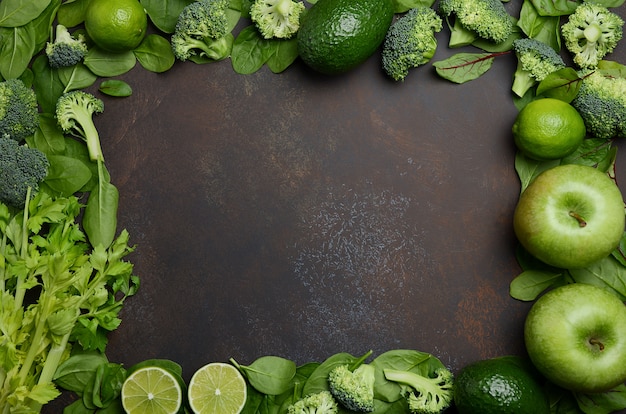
x=77, y=295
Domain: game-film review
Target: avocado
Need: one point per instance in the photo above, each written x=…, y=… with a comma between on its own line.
x=335, y=36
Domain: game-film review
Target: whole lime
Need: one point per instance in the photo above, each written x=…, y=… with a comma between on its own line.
x=338, y=35
x=116, y=25
x=499, y=385
x=548, y=129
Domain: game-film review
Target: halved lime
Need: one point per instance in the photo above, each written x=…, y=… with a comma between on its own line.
x=217, y=388
x=151, y=390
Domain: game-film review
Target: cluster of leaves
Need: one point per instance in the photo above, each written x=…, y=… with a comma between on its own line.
x=275, y=383
x=55, y=289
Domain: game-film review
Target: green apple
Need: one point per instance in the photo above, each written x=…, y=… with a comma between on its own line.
x=570, y=216
x=576, y=337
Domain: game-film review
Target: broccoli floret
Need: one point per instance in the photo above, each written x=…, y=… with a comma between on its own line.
x=21, y=167
x=601, y=102
x=353, y=389
x=19, y=114
x=590, y=33
x=201, y=30
x=487, y=19
x=318, y=403
x=277, y=18
x=535, y=61
x=410, y=41
x=74, y=112
x=66, y=50
x=425, y=395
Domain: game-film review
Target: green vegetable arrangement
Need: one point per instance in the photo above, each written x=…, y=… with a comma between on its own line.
x=65, y=275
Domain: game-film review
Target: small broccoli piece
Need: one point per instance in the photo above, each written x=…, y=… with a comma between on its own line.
x=488, y=19
x=425, y=395
x=277, y=18
x=535, y=61
x=66, y=50
x=318, y=403
x=353, y=389
x=19, y=114
x=201, y=30
x=410, y=41
x=601, y=102
x=591, y=33
x=21, y=167
x=74, y=112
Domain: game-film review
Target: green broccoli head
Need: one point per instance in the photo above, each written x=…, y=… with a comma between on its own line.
x=410, y=41
x=318, y=403
x=601, y=102
x=201, y=30
x=277, y=18
x=425, y=394
x=21, y=168
x=66, y=50
x=488, y=19
x=535, y=61
x=19, y=114
x=353, y=389
x=74, y=113
x=591, y=33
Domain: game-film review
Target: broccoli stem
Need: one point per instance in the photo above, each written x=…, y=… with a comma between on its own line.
x=418, y=382
x=92, y=138
x=593, y=32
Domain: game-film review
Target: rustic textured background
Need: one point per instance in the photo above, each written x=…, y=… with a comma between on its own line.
x=301, y=215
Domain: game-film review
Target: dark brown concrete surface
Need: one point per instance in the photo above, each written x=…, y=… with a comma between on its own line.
x=300, y=215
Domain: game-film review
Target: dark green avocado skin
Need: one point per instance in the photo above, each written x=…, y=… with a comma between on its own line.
x=335, y=36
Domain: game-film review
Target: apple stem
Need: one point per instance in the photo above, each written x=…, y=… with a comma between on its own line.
x=597, y=343
x=581, y=221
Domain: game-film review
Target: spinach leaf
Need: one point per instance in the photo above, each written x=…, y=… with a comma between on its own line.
x=76, y=77
x=250, y=51
x=542, y=28
x=555, y=7
x=155, y=54
x=400, y=359
x=270, y=374
x=318, y=380
x=100, y=219
x=164, y=13
x=528, y=285
x=17, y=46
x=107, y=64
x=14, y=13
x=115, y=87
x=66, y=175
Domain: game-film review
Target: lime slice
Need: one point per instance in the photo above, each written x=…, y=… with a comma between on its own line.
x=217, y=388
x=151, y=390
